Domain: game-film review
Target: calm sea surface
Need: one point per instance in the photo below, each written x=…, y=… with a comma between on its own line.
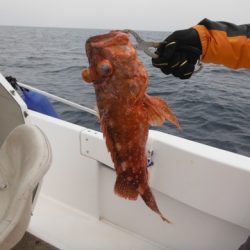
x=213, y=107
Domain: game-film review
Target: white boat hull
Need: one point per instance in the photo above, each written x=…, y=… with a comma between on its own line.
x=203, y=190
x=198, y=187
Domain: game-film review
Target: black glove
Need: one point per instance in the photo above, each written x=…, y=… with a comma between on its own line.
x=179, y=53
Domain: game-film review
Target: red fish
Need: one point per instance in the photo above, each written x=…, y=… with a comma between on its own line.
x=125, y=110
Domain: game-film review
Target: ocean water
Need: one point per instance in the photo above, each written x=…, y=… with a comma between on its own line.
x=213, y=106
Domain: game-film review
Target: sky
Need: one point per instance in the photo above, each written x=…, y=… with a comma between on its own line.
x=157, y=15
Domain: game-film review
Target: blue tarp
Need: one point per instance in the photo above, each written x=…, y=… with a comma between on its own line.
x=39, y=103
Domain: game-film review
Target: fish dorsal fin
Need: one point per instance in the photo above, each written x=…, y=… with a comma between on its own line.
x=158, y=111
x=106, y=135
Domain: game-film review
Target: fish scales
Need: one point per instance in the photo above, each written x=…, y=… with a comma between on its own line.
x=125, y=110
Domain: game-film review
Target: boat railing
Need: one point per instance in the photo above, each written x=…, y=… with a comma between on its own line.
x=59, y=99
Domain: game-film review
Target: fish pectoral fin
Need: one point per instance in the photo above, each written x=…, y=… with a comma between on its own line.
x=159, y=111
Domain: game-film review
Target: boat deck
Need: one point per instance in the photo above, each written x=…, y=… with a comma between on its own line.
x=30, y=242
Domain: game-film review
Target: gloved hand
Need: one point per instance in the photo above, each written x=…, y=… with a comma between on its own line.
x=179, y=53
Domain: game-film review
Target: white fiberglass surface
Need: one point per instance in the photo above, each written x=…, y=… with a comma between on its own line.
x=186, y=179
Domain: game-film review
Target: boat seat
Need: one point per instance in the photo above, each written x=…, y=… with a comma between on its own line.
x=25, y=157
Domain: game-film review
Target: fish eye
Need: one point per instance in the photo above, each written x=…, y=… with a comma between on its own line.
x=105, y=68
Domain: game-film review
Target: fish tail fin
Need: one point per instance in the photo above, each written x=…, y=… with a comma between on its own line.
x=123, y=189
x=149, y=199
x=159, y=111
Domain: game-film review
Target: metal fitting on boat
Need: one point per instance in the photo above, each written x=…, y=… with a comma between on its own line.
x=3, y=186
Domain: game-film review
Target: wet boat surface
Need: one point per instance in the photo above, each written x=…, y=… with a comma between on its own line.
x=30, y=242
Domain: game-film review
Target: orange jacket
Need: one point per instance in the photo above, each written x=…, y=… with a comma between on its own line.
x=225, y=43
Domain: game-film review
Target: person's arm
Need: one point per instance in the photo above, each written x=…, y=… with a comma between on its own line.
x=225, y=43
x=212, y=42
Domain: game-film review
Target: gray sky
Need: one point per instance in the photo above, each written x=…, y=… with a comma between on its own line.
x=165, y=15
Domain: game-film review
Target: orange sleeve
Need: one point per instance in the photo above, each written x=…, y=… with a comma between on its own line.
x=225, y=43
